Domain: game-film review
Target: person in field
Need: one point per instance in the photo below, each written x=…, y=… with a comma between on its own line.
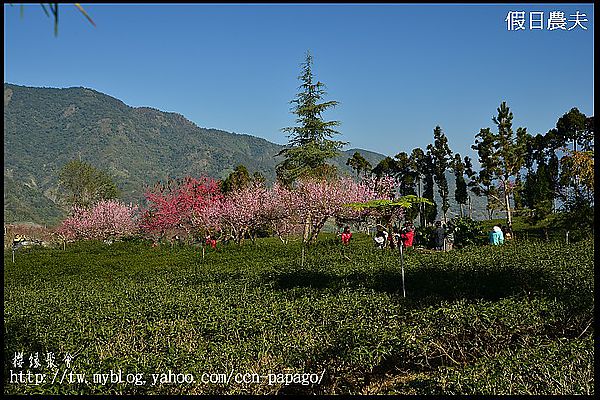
x=346, y=235
x=496, y=236
x=439, y=234
x=381, y=237
x=211, y=241
x=408, y=234
x=395, y=237
x=507, y=234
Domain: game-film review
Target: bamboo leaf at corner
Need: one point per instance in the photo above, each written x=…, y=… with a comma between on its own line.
x=85, y=13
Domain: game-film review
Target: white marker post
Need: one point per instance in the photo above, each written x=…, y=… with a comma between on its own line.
x=402, y=266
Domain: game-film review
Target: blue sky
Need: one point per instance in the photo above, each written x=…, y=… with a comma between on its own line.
x=398, y=70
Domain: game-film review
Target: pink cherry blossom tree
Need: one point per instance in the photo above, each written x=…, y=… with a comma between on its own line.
x=281, y=211
x=181, y=206
x=107, y=219
x=323, y=199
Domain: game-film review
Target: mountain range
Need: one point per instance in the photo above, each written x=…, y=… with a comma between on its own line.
x=44, y=128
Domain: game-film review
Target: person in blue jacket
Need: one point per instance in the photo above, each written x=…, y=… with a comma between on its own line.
x=496, y=236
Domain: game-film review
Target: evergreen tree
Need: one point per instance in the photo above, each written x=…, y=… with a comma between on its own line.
x=407, y=177
x=237, y=180
x=537, y=194
x=430, y=210
x=417, y=162
x=572, y=127
x=441, y=159
x=472, y=182
x=482, y=185
x=258, y=178
x=310, y=144
x=358, y=163
x=385, y=167
x=405, y=174
x=460, y=192
x=510, y=151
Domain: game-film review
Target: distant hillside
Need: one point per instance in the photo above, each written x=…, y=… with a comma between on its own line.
x=44, y=128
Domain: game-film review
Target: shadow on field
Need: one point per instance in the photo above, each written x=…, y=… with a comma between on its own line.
x=19, y=337
x=425, y=283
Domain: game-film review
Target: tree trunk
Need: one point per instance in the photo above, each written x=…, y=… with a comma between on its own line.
x=421, y=217
x=461, y=210
x=470, y=207
x=508, y=213
x=317, y=229
x=307, y=224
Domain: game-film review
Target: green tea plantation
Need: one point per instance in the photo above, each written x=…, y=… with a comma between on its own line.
x=262, y=318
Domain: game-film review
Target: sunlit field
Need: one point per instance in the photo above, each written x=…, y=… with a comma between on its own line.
x=261, y=318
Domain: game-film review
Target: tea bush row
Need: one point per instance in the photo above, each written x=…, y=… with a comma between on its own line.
x=264, y=307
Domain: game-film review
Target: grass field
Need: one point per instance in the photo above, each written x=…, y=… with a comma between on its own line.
x=516, y=319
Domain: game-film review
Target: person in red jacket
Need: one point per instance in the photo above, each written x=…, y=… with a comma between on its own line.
x=346, y=235
x=211, y=241
x=408, y=234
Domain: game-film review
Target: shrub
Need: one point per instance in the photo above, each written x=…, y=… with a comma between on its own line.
x=467, y=231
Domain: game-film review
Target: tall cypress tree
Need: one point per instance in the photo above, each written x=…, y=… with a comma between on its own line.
x=441, y=159
x=472, y=181
x=405, y=174
x=407, y=178
x=430, y=210
x=417, y=162
x=310, y=144
x=460, y=192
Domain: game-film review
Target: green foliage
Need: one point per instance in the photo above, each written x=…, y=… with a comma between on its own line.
x=572, y=127
x=387, y=166
x=358, y=163
x=424, y=236
x=501, y=156
x=577, y=219
x=23, y=203
x=430, y=211
x=468, y=317
x=460, y=192
x=406, y=174
x=467, y=232
x=441, y=157
x=237, y=180
x=407, y=201
x=310, y=144
x=540, y=368
x=537, y=194
x=85, y=185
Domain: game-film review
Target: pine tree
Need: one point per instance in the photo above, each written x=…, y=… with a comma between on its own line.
x=310, y=144
x=510, y=151
x=482, y=185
